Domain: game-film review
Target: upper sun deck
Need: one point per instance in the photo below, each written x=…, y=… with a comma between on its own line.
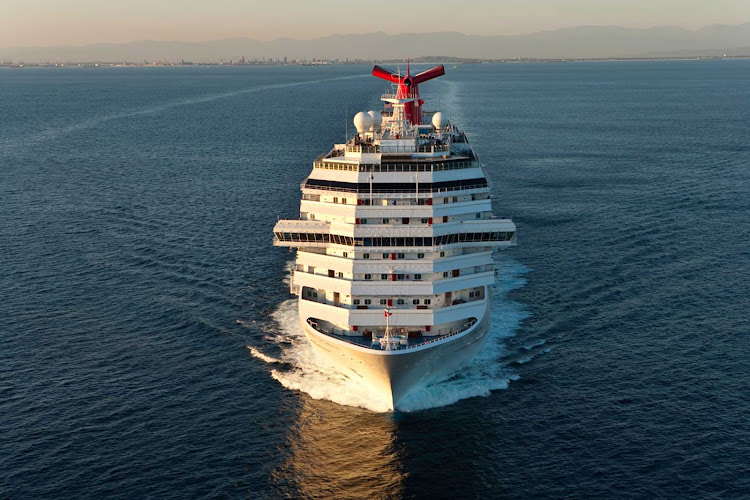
x=399, y=131
x=413, y=143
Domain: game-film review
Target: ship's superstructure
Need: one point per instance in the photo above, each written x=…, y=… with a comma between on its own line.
x=394, y=246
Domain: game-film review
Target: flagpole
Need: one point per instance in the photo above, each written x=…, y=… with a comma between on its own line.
x=387, y=336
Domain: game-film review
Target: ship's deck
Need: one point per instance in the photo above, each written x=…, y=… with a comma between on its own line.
x=372, y=342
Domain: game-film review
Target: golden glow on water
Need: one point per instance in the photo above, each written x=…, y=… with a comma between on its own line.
x=335, y=450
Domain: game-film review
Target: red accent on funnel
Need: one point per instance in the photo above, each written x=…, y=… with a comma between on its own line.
x=408, y=86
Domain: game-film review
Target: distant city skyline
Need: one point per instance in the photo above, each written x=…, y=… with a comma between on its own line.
x=81, y=22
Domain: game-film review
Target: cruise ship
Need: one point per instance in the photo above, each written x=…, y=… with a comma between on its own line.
x=395, y=240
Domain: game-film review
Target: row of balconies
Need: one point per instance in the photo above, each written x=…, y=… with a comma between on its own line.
x=375, y=262
x=385, y=219
x=394, y=230
x=318, y=208
x=388, y=273
x=386, y=287
x=406, y=316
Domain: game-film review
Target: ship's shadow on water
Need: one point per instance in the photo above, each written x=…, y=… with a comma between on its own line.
x=297, y=366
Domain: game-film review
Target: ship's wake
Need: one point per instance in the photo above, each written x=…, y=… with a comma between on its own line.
x=44, y=136
x=298, y=367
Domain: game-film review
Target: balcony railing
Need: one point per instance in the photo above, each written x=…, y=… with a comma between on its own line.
x=394, y=307
x=372, y=340
x=362, y=148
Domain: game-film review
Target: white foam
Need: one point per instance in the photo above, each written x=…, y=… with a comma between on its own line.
x=315, y=376
x=263, y=357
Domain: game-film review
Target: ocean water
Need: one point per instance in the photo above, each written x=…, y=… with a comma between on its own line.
x=149, y=346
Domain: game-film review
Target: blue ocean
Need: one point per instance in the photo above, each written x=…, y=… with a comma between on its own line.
x=150, y=347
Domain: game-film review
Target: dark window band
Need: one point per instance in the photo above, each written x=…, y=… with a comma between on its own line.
x=395, y=187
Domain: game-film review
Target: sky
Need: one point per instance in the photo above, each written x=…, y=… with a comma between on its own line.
x=80, y=22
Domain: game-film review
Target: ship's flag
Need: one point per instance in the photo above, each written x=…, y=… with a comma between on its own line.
x=387, y=313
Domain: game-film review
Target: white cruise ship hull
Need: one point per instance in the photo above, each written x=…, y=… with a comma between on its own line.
x=395, y=374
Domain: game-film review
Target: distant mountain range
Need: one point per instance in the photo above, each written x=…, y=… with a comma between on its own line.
x=580, y=42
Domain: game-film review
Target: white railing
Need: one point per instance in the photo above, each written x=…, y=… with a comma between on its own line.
x=314, y=324
x=431, y=341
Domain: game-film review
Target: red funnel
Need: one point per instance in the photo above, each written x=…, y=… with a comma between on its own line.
x=408, y=86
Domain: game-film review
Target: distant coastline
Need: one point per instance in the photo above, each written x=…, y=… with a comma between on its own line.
x=337, y=62
x=583, y=43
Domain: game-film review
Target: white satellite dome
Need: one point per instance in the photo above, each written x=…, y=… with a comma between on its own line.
x=377, y=120
x=439, y=120
x=363, y=122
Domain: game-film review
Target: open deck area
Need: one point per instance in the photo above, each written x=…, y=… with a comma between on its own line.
x=407, y=339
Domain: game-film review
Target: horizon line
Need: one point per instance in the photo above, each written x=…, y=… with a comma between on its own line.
x=693, y=30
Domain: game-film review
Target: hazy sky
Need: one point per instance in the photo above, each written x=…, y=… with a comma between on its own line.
x=75, y=22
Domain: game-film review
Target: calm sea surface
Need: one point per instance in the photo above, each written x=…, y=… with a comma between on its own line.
x=148, y=346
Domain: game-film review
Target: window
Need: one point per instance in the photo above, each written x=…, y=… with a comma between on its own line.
x=383, y=276
x=455, y=199
x=471, y=294
x=415, y=301
x=368, y=301
x=445, y=274
x=417, y=276
x=400, y=276
x=368, y=276
x=343, y=200
x=479, y=216
x=383, y=302
x=386, y=255
x=420, y=256
x=340, y=274
x=363, y=221
x=401, y=302
x=400, y=256
x=335, y=199
x=423, y=221
x=345, y=254
x=427, y=302
x=355, y=302
x=385, y=221
x=365, y=255
x=442, y=254
x=312, y=216
x=315, y=295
